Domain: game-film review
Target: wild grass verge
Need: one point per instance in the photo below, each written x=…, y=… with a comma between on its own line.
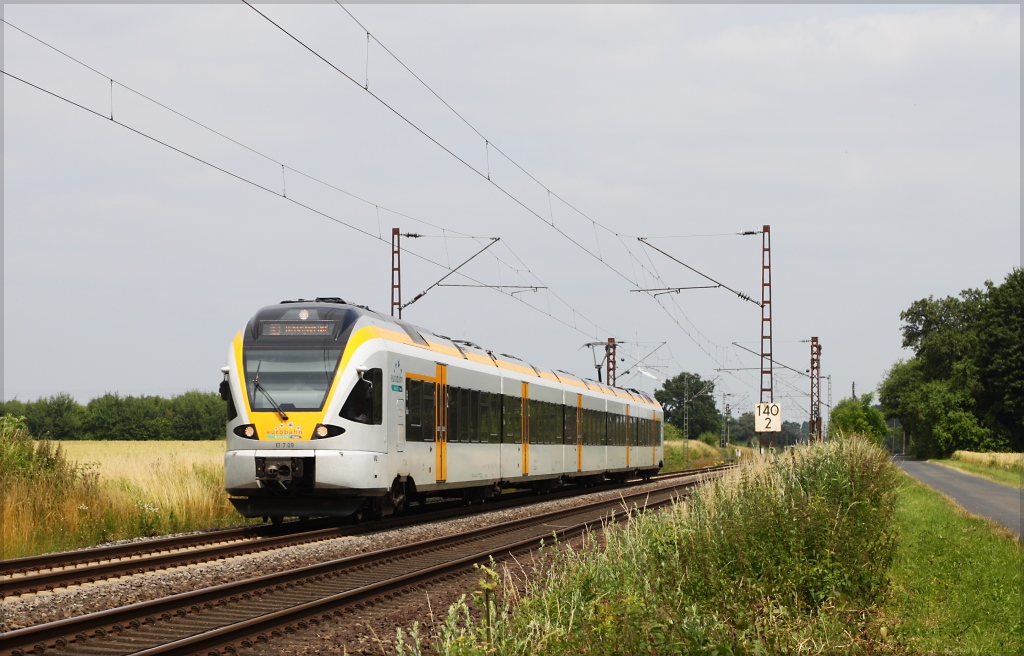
x=58, y=497
x=689, y=454
x=956, y=583
x=1005, y=468
x=784, y=555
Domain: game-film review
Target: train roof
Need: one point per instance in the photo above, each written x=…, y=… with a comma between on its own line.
x=436, y=342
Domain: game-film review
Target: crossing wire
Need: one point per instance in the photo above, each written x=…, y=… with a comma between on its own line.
x=376, y=206
x=307, y=207
x=486, y=176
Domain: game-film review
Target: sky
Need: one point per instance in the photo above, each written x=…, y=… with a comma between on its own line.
x=881, y=144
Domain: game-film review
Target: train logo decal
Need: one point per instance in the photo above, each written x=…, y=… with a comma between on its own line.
x=282, y=432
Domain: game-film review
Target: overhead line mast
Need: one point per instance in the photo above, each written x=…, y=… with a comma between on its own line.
x=396, y=272
x=814, y=427
x=767, y=362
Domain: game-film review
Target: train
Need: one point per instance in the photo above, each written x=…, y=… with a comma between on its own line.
x=335, y=410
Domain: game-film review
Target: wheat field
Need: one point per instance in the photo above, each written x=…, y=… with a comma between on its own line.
x=121, y=490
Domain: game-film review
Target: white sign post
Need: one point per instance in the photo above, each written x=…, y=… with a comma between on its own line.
x=768, y=418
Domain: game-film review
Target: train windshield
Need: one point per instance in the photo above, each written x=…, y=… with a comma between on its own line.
x=294, y=379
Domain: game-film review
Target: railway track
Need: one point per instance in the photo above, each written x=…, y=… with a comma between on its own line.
x=232, y=616
x=54, y=571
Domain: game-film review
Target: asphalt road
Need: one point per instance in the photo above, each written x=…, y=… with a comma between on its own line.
x=977, y=495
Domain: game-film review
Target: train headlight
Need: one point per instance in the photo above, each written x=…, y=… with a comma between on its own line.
x=248, y=431
x=326, y=430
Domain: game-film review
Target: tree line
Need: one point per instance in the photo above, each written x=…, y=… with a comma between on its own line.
x=194, y=415
x=689, y=389
x=964, y=386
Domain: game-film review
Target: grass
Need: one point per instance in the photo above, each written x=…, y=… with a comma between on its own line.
x=784, y=555
x=79, y=494
x=1005, y=468
x=700, y=454
x=956, y=582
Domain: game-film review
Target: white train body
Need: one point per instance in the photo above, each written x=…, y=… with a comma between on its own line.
x=335, y=409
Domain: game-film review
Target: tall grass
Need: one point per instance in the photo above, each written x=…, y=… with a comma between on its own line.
x=1013, y=462
x=79, y=494
x=785, y=555
x=683, y=454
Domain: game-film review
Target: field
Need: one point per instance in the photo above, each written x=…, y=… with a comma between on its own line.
x=1005, y=468
x=79, y=494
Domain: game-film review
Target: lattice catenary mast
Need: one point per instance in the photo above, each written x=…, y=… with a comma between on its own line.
x=396, y=272
x=767, y=357
x=610, y=361
x=814, y=426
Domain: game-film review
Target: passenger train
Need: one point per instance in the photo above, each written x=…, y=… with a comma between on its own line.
x=334, y=409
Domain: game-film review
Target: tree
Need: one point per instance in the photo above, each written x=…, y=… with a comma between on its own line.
x=1000, y=361
x=857, y=416
x=964, y=386
x=741, y=431
x=198, y=416
x=699, y=394
x=58, y=417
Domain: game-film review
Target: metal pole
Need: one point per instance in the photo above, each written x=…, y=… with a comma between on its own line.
x=396, y=272
x=814, y=425
x=610, y=362
x=767, y=360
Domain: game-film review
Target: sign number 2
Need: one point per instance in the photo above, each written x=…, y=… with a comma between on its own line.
x=768, y=418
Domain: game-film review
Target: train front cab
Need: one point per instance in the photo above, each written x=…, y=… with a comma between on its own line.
x=308, y=435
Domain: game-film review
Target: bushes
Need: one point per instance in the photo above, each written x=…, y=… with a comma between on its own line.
x=783, y=555
x=193, y=415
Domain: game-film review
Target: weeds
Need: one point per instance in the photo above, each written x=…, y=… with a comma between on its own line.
x=57, y=498
x=785, y=555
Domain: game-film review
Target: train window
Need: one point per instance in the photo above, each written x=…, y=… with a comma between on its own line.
x=365, y=403
x=484, y=408
x=536, y=420
x=513, y=412
x=429, y=412
x=494, y=435
x=474, y=415
x=454, y=415
x=413, y=410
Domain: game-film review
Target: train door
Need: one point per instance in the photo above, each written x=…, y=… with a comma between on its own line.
x=441, y=421
x=526, y=428
x=579, y=432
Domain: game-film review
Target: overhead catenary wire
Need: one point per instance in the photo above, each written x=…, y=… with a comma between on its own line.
x=574, y=325
x=277, y=194
x=597, y=256
x=446, y=232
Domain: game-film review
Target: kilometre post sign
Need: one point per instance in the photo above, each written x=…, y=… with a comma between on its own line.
x=768, y=418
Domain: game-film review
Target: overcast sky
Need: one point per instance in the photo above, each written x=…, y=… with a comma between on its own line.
x=880, y=143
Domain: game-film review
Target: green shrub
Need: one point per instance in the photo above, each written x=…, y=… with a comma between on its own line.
x=21, y=457
x=783, y=555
